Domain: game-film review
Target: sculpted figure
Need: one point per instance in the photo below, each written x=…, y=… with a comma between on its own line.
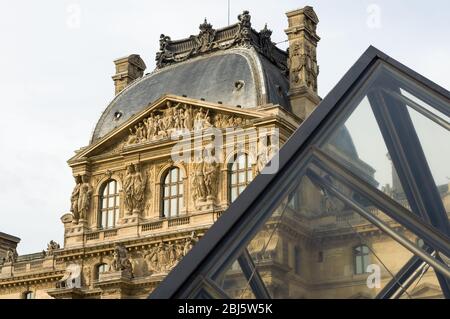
x=211, y=174
x=243, y=35
x=265, y=153
x=198, y=182
x=188, y=119
x=51, y=246
x=138, y=189
x=189, y=243
x=84, y=199
x=74, y=199
x=11, y=256
x=121, y=261
x=132, y=139
x=134, y=189
x=128, y=189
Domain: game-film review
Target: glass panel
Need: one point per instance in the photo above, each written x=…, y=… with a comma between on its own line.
x=241, y=189
x=103, y=219
x=110, y=202
x=173, y=207
x=166, y=208
x=234, y=283
x=242, y=161
x=233, y=179
x=174, y=174
x=173, y=190
x=117, y=201
x=435, y=141
x=104, y=203
x=234, y=194
x=166, y=191
x=180, y=189
x=249, y=175
x=242, y=177
x=359, y=145
x=110, y=218
x=357, y=258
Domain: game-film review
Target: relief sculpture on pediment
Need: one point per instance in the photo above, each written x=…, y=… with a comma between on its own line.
x=176, y=117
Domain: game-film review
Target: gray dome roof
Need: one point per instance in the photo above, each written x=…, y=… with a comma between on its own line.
x=212, y=77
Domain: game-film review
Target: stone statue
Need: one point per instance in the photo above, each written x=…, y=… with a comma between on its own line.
x=165, y=56
x=84, y=199
x=189, y=243
x=265, y=153
x=159, y=258
x=211, y=174
x=265, y=42
x=121, y=261
x=11, y=256
x=74, y=199
x=134, y=189
x=198, y=182
x=205, y=40
x=243, y=36
x=51, y=247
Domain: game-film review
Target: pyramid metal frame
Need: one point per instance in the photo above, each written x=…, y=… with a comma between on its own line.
x=190, y=279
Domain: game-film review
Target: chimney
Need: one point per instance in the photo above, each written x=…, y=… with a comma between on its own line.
x=128, y=69
x=302, y=62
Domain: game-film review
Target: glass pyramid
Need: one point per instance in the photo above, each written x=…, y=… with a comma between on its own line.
x=358, y=208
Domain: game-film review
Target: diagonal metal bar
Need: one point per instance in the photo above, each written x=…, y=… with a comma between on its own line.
x=253, y=277
x=438, y=266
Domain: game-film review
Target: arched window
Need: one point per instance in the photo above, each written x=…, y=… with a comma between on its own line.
x=109, y=204
x=172, y=193
x=240, y=174
x=28, y=295
x=361, y=259
x=100, y=269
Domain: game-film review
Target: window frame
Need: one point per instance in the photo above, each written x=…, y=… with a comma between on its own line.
x=115, y=209
x=362, y=256
x=248, y=168
x=179, y=197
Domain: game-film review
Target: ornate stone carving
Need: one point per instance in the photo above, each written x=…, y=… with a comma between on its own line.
x=209, y=40
x=11, y=256
x=74, y=198
x=165, y=55
x=51, y=247
x=243, y=36
x=303, y=66
x=165, y=255
x=120, y=261
x=134, y=189
x=266, y=150
x=204, y=41
x=162, y=123
x=81, y=198
x=204, y=179
x=84, y=199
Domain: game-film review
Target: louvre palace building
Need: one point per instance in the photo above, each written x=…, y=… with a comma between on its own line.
x=152, y=181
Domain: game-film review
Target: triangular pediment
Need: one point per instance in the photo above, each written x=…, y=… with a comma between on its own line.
x=168, y=114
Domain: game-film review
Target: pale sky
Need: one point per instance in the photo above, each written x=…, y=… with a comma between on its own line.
x=56, y=64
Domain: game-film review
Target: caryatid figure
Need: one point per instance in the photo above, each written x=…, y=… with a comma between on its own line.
x=74, y=199
x=84, y=199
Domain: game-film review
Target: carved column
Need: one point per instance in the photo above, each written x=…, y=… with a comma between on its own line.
x=303, y=69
